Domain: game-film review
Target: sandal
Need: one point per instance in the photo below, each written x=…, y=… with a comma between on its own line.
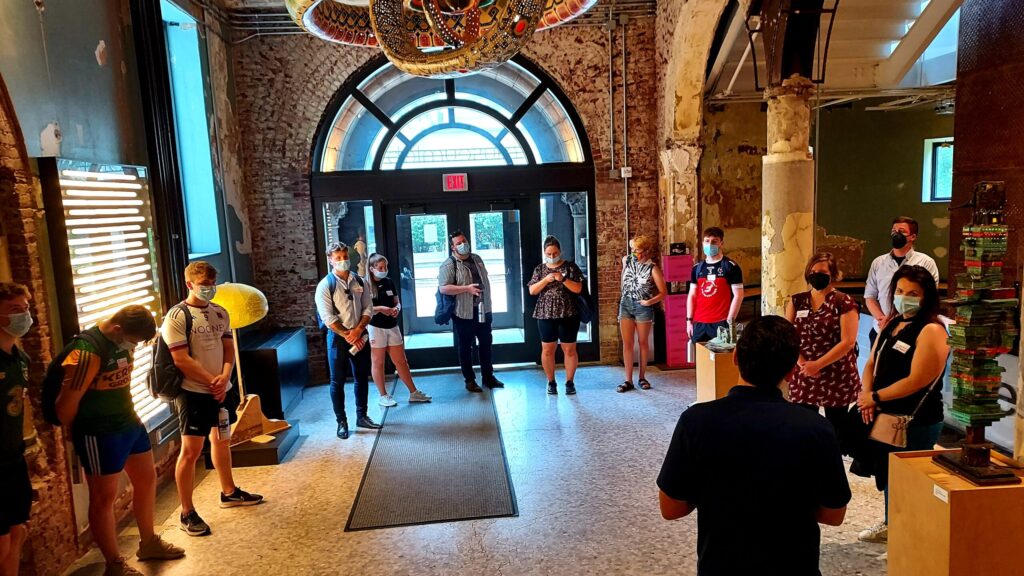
x=625, y=387
x=644, y=384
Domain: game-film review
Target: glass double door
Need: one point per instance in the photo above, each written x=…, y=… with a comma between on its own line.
x=421, y=244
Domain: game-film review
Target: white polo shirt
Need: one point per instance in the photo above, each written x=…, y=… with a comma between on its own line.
x=882, y=270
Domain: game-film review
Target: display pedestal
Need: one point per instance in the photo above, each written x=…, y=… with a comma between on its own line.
x=716, y=373
x=942, y=525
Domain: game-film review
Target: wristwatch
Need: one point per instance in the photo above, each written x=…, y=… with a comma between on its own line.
x=874, y=396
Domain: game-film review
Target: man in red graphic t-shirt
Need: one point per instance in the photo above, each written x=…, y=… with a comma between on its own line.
x=716, y=290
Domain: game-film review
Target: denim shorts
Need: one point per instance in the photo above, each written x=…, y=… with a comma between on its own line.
x=630, y=309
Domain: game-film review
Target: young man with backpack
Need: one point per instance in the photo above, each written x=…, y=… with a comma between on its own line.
x=198, y=334
x=95, y=400
x=716, y=290
x=344, y=307
x=15, y=484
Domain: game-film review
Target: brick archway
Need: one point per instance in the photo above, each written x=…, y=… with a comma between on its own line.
x=52, y=539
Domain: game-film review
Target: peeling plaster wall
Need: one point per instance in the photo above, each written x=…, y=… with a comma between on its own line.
x=870, y=168
x=735, y=139
x=283, y=85
x=70, y=67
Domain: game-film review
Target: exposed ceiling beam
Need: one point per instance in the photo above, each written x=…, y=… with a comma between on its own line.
x=733, y=36
x=891, y=71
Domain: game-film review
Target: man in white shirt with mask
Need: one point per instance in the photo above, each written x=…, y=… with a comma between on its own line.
x=345, y=307
x=877, y=290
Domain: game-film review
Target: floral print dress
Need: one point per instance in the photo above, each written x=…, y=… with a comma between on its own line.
x=838, y=383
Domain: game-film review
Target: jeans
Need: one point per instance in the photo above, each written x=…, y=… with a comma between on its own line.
x=340, y=363
x=466, y=333
x=918, y=438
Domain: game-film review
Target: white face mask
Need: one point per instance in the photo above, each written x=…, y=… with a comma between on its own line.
x=18, y=324
x=127, y=346
x=380, y=275
x=206, y=293
x=342, y=266
x=550, y=260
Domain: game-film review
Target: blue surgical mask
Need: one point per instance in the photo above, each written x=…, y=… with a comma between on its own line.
x=711, y=250
x=18, y=324
x=463, y=248
x=550, y=260
x=206, y=293
x=380, y=275
x=342, y=266
x=906, y=304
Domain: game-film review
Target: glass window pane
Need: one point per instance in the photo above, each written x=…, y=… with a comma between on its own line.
x=354, y=135
x=494, y=236
x=550, y=131
x=192, y=132
x=943, y=176
x=351, y=223
x=422, y=248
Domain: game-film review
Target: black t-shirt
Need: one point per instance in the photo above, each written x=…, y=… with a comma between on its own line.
x=757, y=468
x=386, y=296
x=13, y=382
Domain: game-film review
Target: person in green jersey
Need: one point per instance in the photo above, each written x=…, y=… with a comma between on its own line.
x=108, y=436
x=15, y=484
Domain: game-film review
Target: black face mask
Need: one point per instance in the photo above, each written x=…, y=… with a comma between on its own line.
x=898, y=240
x=819, y=280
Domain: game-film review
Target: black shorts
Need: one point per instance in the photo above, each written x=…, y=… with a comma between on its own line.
x=198, y=413
x=562, y=330
x=16, y=502
x=704, y=331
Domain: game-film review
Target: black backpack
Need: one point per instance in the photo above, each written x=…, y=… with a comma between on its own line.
x=445, y=307
x=332, y=284
x=164, y=377
x=54, y=379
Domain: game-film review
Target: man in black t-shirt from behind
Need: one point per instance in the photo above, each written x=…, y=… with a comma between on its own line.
x=762, y=472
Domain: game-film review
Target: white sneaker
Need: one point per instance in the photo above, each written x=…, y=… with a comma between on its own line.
x=878, y=534
x=387, y=401
x=419, y=396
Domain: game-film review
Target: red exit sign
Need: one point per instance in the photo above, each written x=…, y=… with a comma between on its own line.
x=456, y=183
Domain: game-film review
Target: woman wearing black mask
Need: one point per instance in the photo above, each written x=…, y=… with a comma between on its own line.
x=826, y=320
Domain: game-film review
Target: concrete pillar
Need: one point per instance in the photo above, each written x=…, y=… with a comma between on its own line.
x=787, y=197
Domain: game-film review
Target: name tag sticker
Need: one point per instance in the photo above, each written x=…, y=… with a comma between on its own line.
x=940, y=493
x=390, y=293
x=802, y=313
x=712, y=277
x=122, y=362
x=901, y=347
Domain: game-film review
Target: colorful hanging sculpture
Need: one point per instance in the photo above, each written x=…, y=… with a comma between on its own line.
x=436, y=38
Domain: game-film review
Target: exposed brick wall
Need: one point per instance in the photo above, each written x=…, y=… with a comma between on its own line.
x=51, y=545
x=283, y=85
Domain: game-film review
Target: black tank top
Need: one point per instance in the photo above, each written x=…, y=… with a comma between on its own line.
x=892, y=365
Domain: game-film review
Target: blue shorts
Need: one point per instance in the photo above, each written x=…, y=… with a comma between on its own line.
x=630, y=309
x=107, y=453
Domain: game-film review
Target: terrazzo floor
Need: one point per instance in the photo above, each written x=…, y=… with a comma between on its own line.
x=584, y=472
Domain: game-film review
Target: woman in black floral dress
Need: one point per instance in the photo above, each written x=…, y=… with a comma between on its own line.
x=556, y=283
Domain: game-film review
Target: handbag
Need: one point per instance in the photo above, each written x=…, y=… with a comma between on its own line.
x=583, y=303
x=891, y=429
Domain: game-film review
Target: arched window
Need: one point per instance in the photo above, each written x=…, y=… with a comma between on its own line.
x=507, y=116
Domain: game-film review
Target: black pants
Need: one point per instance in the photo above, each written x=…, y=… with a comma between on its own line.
x=468, y=332
x=341, y=363
x=837, y=416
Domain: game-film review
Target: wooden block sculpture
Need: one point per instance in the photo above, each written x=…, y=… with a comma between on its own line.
x=252, y=423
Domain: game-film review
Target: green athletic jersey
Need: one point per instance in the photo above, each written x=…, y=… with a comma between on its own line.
x=13, y=384
x=106, y=407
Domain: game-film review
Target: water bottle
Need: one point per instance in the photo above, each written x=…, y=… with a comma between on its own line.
x=223, y=424
x=480, y=311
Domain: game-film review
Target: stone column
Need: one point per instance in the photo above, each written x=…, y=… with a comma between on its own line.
x=787, y=201
x=678, y=190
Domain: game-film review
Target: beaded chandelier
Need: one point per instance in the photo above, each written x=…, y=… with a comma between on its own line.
x=435, y=38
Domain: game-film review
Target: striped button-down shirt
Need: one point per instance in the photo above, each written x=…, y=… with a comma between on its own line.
x=457, y=272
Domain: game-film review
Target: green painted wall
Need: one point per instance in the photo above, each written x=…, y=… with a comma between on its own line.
x=870, y=170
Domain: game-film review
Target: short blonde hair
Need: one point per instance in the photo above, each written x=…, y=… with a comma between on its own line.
x=200, y=270
x=645, y=243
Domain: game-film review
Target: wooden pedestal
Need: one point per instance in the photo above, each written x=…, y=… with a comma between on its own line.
x=942, y=525
x=716, y=373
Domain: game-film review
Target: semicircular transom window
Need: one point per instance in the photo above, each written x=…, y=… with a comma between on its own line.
x=503, y=117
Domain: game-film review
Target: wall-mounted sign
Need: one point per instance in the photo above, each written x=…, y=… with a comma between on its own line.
x=456, y=182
